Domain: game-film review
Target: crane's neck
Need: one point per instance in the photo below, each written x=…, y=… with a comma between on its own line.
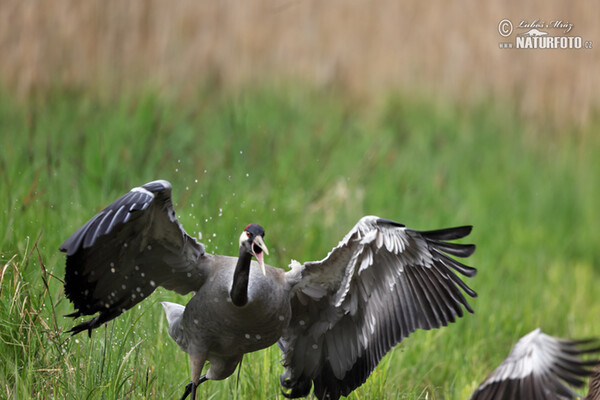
x=239, y=288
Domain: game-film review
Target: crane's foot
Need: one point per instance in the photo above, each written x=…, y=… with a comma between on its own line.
x=191, y=387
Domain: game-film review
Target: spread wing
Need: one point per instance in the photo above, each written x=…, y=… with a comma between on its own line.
x=122, y=254
x=539, y=367
x=381, y=283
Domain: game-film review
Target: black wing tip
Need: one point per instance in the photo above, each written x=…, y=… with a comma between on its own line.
x=464, y=229
x=95, y=322
x=385, y=221
x=85, y=326
x=77, y=329
x=457, y=232
x=468, y=249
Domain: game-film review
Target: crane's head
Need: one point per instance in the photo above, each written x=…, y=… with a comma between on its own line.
x=252, y=239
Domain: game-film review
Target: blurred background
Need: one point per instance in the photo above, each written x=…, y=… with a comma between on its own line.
x=302, y=116
x=436, y=48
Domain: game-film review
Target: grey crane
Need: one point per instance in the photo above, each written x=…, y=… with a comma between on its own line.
x=333, y=319
x=538, y=368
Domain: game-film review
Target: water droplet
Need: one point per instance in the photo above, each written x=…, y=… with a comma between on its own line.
x=281, y=317
x=112, y=270
x=138, y=289
x=257, y=336
x=301, y=322
x=112, y=264
x=247, y=336
x=149, y=247
x=152, y=284
x=123, y=287
x=142, y=274
x=314, y=346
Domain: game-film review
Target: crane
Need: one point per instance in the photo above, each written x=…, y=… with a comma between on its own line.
x=333, y=319
x=538, y=368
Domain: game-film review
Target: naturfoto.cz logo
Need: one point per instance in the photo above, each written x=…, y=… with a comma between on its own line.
x=539, y=34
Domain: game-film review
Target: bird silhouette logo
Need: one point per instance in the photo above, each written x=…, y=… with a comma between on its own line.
x=533, y=32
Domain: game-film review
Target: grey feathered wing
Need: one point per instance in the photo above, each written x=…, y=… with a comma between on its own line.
x=122, y=254
x=381, y=283
x=539, y=367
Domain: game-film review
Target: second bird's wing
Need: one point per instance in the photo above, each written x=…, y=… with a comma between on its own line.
x=538, y=368
x=122, y=254
x=381, y=283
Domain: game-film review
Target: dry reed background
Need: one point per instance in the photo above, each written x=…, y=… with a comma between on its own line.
x=446, y=49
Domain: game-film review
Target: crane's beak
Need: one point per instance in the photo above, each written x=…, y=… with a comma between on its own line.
x=258, y=240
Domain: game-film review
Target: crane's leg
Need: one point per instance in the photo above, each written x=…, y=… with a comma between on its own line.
x=191, y=387
x=196, y=364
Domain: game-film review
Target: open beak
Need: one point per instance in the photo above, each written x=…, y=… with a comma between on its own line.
x=258, y=240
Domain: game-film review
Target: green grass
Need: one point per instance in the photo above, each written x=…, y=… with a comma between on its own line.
x=306, y=165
